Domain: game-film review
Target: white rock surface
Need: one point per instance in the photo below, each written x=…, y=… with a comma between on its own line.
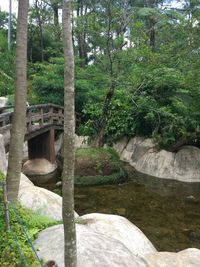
x=81, y=141
x=121, y=229
x=3, y=101
x=185, y=258
x=143, y=155
x=38, y=167
x=94, y=249
x=3, y=161
x=39, y=199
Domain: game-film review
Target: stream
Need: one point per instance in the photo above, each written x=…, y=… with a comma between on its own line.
x=166, y=211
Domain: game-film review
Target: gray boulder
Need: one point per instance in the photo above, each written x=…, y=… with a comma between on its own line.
x=39, y=170
x=144, y=156
x=122, y=230
x=186, y=258
x=94, y=249
x=40, y=200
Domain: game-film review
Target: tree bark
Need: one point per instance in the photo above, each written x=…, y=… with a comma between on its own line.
x=69, y=139
x=19, y=117
x=40, y=30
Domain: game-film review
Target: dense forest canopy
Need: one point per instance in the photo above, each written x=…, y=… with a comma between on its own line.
x=137, y=66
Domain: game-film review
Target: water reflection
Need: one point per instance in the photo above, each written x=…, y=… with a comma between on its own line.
x=166, y=211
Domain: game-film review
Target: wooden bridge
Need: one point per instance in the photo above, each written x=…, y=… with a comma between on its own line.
x=41, y=122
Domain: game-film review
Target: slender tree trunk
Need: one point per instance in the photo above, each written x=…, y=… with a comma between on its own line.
x=69, y=138
x=56, y=22
x=152, y=34
x=19, y=117
x=81, y=35
x=100, y=124
x=9, y=24
x=40, y=29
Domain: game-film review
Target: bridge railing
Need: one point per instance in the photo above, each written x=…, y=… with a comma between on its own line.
x=37, y=116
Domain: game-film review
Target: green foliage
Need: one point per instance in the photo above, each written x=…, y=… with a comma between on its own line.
x=104, y=163
x=115, y=178
x=32, y=222
x=6, y=67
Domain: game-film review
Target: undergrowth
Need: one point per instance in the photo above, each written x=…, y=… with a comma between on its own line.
x=33, y=223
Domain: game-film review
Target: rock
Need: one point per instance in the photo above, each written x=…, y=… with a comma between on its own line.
x=144, y=156
x=3, y=161
x=59, y=184
x=185, y=258
x=81, y=141
x=120, y=146
x=93, y=248
x=39, y=199
x=58, y=144
x=185, y=166
x=3, y=101
x=38, y=167
x=191, y=199
x=39, y=170
x=121, y=211
x=122, y=230
x=25, y=151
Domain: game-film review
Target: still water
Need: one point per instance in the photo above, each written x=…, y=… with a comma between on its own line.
x=167, y=212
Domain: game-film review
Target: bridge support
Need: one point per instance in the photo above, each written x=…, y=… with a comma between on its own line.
x=42, y=146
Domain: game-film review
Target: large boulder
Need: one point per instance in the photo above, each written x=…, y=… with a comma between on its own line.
x=121, y=229
x=39, y=170
x=144, y=156
x=39, y=199
x=3, y=161
x=94, y=248
x=185, y=258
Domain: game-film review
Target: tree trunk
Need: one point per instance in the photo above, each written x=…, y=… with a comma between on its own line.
x=19, y=117
x=69, y=139
x=81, y=35
x=56, y=22
x=40, y=30
x=152, y=38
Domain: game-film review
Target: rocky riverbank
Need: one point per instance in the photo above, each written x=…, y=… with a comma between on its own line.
x=144, y=155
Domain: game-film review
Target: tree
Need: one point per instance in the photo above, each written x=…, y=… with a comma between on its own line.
x=19, y=116
x=69, y=138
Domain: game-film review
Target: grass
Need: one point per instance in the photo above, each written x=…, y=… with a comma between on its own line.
x=95, y=153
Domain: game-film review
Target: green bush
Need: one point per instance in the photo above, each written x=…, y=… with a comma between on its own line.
x=33, y=223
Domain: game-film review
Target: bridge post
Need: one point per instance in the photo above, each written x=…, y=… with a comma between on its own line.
x=42, y=146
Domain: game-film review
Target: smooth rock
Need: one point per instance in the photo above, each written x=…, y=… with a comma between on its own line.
x=185, y=258
x=25, y=151
x=144, y=156
x=81, y=141
x=121, y=229
x=40, y=200
x=94, y=249
x=38, y=167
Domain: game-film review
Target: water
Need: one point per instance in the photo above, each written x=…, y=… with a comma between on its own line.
x=168, y=212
